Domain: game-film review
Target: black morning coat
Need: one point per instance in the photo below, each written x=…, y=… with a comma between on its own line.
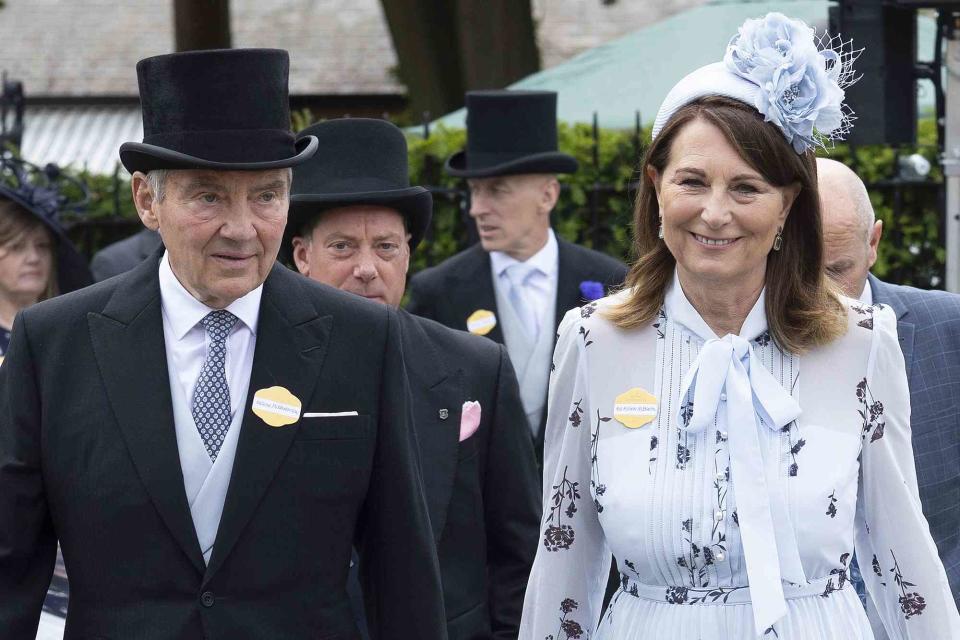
x=483, y=493
x=455, y=288
x=88, y=454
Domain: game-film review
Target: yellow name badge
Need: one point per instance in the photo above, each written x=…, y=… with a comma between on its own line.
x=481, y=322
x=276, y=406
x=635, y=408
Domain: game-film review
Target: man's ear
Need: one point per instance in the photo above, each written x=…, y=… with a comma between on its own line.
x=301, y=255
x=144, y=200
x=407, y=254
x=549, y=194
x=874, y=241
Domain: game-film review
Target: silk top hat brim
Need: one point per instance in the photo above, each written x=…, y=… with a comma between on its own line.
x=415, y=204
x=137, y=156
x=489, y=165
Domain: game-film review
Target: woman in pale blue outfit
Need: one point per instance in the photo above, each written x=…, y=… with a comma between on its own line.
x=727, y=426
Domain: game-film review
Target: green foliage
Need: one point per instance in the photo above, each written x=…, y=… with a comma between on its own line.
x=596, y=203
x=912, y=250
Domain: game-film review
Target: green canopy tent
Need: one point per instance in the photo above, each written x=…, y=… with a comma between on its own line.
x=634, y=73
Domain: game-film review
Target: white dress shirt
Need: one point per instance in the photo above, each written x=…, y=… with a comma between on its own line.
x=540, y=288
x=205, y=482
x=186, y=339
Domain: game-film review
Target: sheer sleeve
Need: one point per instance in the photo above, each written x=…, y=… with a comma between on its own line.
x=566, y=586
x=897, y=555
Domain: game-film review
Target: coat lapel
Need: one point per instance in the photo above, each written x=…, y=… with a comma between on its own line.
x=568, y=283
x=129, y=347
x=472, y=289
x=883, y=293
x=291, y=345
x=435, y=388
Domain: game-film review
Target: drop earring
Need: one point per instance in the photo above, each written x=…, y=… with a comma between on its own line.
x=660, y=229
x=778, y=239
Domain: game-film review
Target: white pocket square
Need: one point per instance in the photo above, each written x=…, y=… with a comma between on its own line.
x=336, y=414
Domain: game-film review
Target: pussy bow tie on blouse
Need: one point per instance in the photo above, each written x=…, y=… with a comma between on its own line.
x=728, y=376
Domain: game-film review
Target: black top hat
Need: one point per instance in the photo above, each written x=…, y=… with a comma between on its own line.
x=510, y=132
x=361, y=161
x=220, y=109
x=41, y=192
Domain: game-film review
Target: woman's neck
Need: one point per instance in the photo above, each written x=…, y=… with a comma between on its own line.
x=723, y=306
x=10, y=305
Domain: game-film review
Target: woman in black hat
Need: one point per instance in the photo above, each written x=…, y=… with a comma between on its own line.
x=37, y=260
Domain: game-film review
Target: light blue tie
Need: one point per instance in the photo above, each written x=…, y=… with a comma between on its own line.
x=517, y=274
x=211, y=396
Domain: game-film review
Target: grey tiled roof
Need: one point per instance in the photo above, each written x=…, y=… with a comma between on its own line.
x=90, y=47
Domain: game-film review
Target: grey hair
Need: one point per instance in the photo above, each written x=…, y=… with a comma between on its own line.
x=157, y=181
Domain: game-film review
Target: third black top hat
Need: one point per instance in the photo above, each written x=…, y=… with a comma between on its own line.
x=220, y=109
x=510, y=132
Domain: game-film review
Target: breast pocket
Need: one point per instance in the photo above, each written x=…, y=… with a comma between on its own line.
x=336, y=454
x=334, y=428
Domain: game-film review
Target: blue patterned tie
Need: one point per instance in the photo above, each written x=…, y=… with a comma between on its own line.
x=211, y=396
x=518, y=274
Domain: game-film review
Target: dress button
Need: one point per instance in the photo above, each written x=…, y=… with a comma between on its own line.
x=723, y=397
x=718, y=516
x=207, y=599
x=719, y=556
x=721, y=475
x=723, y=434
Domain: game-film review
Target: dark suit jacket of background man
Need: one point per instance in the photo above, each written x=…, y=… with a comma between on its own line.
x=483, y=494
x=88, y=453
x=928, y=324
x=124, y=255
x=455, y=288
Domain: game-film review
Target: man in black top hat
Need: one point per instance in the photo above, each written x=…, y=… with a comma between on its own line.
x=209, y=434
x=517, y=284
x=354, y=220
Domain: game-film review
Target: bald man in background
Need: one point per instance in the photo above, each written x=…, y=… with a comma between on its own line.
x=928, y=323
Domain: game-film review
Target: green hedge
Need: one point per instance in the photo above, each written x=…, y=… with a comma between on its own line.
x=911, y=251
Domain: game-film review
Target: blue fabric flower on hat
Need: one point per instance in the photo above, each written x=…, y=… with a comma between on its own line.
x=801, y=86
x=591, y=290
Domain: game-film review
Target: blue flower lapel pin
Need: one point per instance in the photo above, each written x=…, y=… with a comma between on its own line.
x=591, y=290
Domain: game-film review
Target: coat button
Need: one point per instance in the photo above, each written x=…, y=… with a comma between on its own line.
x=207, y=599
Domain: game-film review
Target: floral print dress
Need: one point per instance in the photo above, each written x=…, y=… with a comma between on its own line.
x=726, y=524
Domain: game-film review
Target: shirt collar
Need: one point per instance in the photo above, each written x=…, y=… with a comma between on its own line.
x=678, y=307
x=866, y=297
x=544, y=260
x=183, y=311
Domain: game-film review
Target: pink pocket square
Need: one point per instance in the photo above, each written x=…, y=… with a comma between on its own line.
x=469, y=419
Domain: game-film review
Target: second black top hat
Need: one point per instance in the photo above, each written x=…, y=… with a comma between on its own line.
x=510, y=132
x=220, y=109
x=361, y=161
